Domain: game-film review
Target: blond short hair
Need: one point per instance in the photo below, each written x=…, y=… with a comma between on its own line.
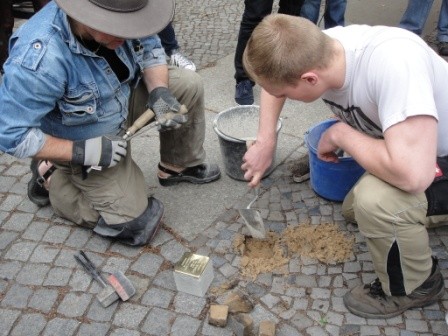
x=283, y=47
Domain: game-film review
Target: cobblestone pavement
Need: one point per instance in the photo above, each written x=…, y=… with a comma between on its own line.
x=44, y=292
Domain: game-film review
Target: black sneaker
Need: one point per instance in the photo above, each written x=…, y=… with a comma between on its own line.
x=443, y=48
x=370, y=301
x=203, y=173
x=244, y=93
x=36, y=191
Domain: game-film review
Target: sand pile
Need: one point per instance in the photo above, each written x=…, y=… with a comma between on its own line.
x=324, y=242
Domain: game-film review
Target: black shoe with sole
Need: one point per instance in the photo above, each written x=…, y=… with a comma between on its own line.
x=203, y=173
x=443, y=48
x=36, y=191
x=370, y=301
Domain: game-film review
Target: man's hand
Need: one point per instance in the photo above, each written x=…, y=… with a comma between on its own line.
x=257, y=160
x=169, y=112
x=105, y=151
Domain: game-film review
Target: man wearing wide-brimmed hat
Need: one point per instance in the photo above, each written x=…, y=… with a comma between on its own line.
x=79, y=73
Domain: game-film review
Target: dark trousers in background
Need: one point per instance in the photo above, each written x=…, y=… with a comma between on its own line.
x=254, y=12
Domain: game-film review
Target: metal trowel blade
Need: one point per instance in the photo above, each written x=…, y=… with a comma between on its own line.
x=254, y=222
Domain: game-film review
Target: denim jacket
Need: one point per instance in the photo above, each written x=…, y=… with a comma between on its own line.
x=54, y=85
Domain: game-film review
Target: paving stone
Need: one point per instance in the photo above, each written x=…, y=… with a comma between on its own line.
x=270, y=301
x=148, y=264
x=7, y=319
x=78, y=238
x=98, y=244
x=416, y=325
x=161, y=238
x=35, y=231
x=165, y=279
x=130, y=315
x=158, y=322
x=101, y=314
x=8, y=270
x=97, y=329
x=66, y=259
x=157, y=297
x=6, y=182
x=209, y=330
x=11, y=202
x=74, y=304
x=29, y=325
x=18, y=222
x=20, y=251
x=350, y=329
x=173, y=251
x=125, y=332
x=185, y=325
x=6, y=238
x=116, y=264
x=16, y=297
x=32, y=274
x=60, y=326
x=58, y=276
x=44, y=254
x=43, y=299
x=56, y=234
x=189, y=304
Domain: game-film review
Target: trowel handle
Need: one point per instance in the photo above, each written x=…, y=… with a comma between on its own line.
x=139, y=123
x=90, y=268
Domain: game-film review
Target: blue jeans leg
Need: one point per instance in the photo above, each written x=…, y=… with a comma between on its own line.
x=310, y=10
x=442, y=26
x=335, y=13
x=415, y=16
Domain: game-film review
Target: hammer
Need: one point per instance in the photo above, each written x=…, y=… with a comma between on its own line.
x=117, y=286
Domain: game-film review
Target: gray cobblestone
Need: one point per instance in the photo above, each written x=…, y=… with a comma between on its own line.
x=18, y=222
x=147, y=264
x=165, y=279
x=185, y=325
x=17, y=297
x=6, y=238
x=78, y=238
x=32, y=274
x=158, y=322
x=130, y=315
x=7, y=319
x=58, y=276
x=20, y=251
x=96, y=329
x=173, y=251
x=44, y=254
x=157, y=297
x=43, y=299
x=56, y=234
x=35, y=231
x=29, y=325
x=189, y=304
x=61, y=326
x=125, y=332
x=74, y=304
x=116, y=264
x=11, y=202
x=101, y=314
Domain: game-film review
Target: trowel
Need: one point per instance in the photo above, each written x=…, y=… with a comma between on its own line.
x=252, y=218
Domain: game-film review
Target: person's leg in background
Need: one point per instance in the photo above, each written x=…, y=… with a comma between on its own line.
x=415, y=16
x=442, y=29
x=310, y=10
x=254, y=12
x=6, y=27
x=334, y=14
x=172, y=49
x=290, y=7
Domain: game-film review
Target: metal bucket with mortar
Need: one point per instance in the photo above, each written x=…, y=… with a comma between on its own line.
x=235, y=126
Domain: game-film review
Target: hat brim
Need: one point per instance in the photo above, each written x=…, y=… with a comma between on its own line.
x=149, y=20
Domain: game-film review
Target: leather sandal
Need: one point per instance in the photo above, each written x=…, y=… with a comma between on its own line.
x=37, y=192
x=202, y=173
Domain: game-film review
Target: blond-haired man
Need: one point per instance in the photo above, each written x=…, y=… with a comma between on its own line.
x=388, y=88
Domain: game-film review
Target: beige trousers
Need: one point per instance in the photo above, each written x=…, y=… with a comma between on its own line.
x=119, y=194
x=394, y=224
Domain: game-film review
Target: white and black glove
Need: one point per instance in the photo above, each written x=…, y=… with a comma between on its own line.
x=105, y=151
x=169, y=113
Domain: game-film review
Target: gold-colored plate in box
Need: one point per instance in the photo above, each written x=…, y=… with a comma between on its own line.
x=191, y=264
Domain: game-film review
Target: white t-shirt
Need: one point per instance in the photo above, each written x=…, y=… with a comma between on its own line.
x=391, y=74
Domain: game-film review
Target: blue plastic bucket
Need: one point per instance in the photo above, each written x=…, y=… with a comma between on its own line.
x=330, y=180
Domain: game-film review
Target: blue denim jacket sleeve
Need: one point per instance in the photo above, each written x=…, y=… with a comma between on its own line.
x=53, y=85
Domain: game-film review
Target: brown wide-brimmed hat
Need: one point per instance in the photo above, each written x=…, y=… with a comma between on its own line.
x=121, y=18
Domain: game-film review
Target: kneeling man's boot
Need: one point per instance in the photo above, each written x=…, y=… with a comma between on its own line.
x=138, y=231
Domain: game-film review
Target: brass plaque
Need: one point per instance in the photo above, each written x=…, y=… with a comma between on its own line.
x=191, y=264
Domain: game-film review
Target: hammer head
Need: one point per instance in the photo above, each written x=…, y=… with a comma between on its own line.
x=121, y=284
x=107, y=296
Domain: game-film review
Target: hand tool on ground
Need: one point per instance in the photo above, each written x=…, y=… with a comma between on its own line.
x=115, y=287
x=252, y=218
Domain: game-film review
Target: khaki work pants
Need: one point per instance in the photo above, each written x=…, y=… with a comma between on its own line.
x=394, y=224
x=119, y=194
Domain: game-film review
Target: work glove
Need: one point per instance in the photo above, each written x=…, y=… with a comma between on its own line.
x=169, y=113
x=105, y=151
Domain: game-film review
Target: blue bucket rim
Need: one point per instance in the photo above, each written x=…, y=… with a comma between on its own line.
x=314, y=149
